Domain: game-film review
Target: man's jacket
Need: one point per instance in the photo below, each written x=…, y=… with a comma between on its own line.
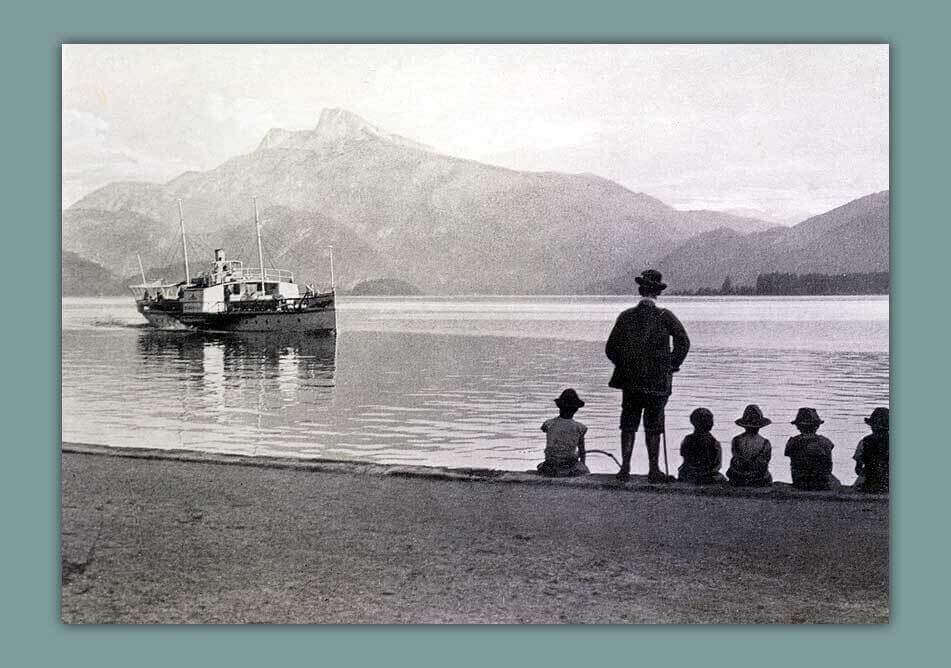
x=639, y=347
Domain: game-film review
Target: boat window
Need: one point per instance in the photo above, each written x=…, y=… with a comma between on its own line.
x=236, y=289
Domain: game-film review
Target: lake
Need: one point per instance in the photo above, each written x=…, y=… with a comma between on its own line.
x=465, y=381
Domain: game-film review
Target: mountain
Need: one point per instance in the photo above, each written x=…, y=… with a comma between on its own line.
x=393, y=208
x=853, y=238
x=384, y=286
x=776, y=218
x=81, y=277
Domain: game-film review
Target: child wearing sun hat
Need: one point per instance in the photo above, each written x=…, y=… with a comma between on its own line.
x=871, y=455
x=564, y=445
x=749, y=465
x=810, y=454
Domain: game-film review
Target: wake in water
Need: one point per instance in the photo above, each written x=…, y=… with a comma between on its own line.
x=113, y=323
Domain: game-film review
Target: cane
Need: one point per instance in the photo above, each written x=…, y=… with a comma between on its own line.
x=663, y=435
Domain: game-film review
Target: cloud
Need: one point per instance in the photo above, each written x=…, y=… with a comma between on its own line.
x=94, y=156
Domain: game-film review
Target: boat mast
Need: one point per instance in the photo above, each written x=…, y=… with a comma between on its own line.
x=181, y=220
x=331, y=268
x=141, y=270
x=257, y=229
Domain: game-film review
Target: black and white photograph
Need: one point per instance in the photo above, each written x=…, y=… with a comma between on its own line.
x=475, y=334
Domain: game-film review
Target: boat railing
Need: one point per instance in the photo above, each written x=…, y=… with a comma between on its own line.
x=268, y=303
x=255, y=274
x=154, y=289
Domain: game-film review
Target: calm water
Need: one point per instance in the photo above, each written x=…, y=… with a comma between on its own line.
x=464, y=381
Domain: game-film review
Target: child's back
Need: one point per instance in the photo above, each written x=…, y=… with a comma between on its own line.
x=810, y=454
x=810, y=461
x=562, y=438
x=702, y=457
x=701, y=452
x=749, y=464
x=871, y=455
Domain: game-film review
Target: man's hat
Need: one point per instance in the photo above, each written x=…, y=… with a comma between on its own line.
x=702, y=418
x=753, y=417
x=650, y=278
x=807, y=416
x=569, y=399
x=878, y=418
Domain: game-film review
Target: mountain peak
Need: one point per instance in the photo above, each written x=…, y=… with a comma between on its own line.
x=336, y=123
x=335, y=126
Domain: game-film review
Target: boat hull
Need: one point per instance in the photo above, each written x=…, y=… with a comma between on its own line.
x=316, y=320
x=162, y=320
x=310, y=319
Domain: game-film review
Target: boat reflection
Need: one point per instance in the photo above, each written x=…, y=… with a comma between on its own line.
x=265, y=362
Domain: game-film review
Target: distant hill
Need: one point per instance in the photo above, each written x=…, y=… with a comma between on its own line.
x=392, y=207
x=84, y=278
x=853, y=238
x=384, y=286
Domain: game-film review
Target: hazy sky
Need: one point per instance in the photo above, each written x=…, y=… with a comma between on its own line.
x=781, y=129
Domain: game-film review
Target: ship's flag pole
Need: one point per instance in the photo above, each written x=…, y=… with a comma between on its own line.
x=141, y=270
x=257, y=229
x=181, y=220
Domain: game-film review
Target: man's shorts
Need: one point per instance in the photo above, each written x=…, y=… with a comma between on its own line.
x=635, y=402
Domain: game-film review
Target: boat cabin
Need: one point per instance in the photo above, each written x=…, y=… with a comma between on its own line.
x=230, y=286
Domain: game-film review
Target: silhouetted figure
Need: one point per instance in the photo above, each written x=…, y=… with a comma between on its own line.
x=564, y=447
x=749, y=465
x=640, y=349
x=810, y=455
x=701, y=452
x=871, y=455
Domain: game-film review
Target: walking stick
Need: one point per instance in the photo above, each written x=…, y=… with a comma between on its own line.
x=663, y=435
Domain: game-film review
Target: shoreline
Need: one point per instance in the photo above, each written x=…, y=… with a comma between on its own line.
x=172, y=537
x=637, y=483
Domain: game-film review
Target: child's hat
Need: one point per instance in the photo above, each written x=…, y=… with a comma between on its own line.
x=878, y=418
x=753, y=417
x=569, y=399
x=807, y=417
x=701, y=418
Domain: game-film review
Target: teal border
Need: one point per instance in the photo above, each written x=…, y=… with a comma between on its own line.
x=30, y=326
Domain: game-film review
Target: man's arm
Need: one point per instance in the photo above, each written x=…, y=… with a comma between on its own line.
x=613, y=347
x=681, y=341
x=581, y=451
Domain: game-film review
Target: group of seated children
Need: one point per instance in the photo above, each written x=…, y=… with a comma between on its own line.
x=810, y=454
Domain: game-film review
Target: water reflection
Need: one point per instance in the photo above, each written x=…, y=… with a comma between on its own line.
x=231, y=356
x=237, y=392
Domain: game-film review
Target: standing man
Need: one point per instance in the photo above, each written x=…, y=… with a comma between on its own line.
x=639, y=347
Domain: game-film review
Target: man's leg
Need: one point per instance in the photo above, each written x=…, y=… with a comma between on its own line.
x=654, y=429
x=627, y=449
x=653, y=453
x=630, y=421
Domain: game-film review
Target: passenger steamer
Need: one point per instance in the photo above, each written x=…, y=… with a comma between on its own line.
x=230, y=297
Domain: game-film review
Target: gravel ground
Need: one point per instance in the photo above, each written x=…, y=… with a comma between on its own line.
x=169, y=541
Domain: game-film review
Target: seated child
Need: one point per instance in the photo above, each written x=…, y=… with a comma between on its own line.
x=871, y=455
x=701, y=452
x=810, y=455
x=564, y=448
x=749, y=465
